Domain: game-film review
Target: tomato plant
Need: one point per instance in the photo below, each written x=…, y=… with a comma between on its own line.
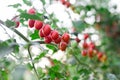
x=42, y=47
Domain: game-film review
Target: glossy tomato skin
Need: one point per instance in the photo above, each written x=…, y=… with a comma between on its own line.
x=58, y=40
x=31, y=23
x=31, y=11
x=90, y=52
x=91, y=45
x=63, y=1
x=77, y=40
x=63, y=46
x=41, y=33
x=86, y=35
x=46, y=29
x=99, y=55
x=48, y=39
x=17, y=24
x=84, y=52
x=67, y=4
x=38, y=24
x=66, y=37
x=54, y=34
x=85, y=45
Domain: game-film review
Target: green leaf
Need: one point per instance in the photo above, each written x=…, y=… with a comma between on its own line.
x=75, y=78
x=15, y=5
x=7, y=47
x=40, y=71
x=27, y=2
x=16, y=49
x=55, y=72
x=89, y=7
x=85, y=71
x=52, y=75
x=53, y=25
x=63, y=29
x=29, y=66
x=104, y=67
x=35, y=35
x=9, y=23
x=4, y=75
x=79, y=25
x=21, y=11
x=41, y=55
x=29, y=16
x=4, y=50
x=56, y=68
x=52, y=47
x=56, y=62
x=43, y=1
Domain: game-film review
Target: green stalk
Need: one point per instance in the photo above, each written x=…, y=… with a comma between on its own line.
x=32, y=62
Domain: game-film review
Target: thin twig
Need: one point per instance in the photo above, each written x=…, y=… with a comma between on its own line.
x=1, y=22
x=16, y=31
x=5, y=31
x=21, y=35
x=32, y=62
x=14, y=56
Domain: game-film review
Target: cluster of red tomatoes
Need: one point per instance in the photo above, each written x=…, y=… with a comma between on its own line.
x=65, y=2
x=89, y=49
x=48, y=34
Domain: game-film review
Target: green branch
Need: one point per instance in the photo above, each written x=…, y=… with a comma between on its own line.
x=32, y=62
x=16, y=31
x=21, y=35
